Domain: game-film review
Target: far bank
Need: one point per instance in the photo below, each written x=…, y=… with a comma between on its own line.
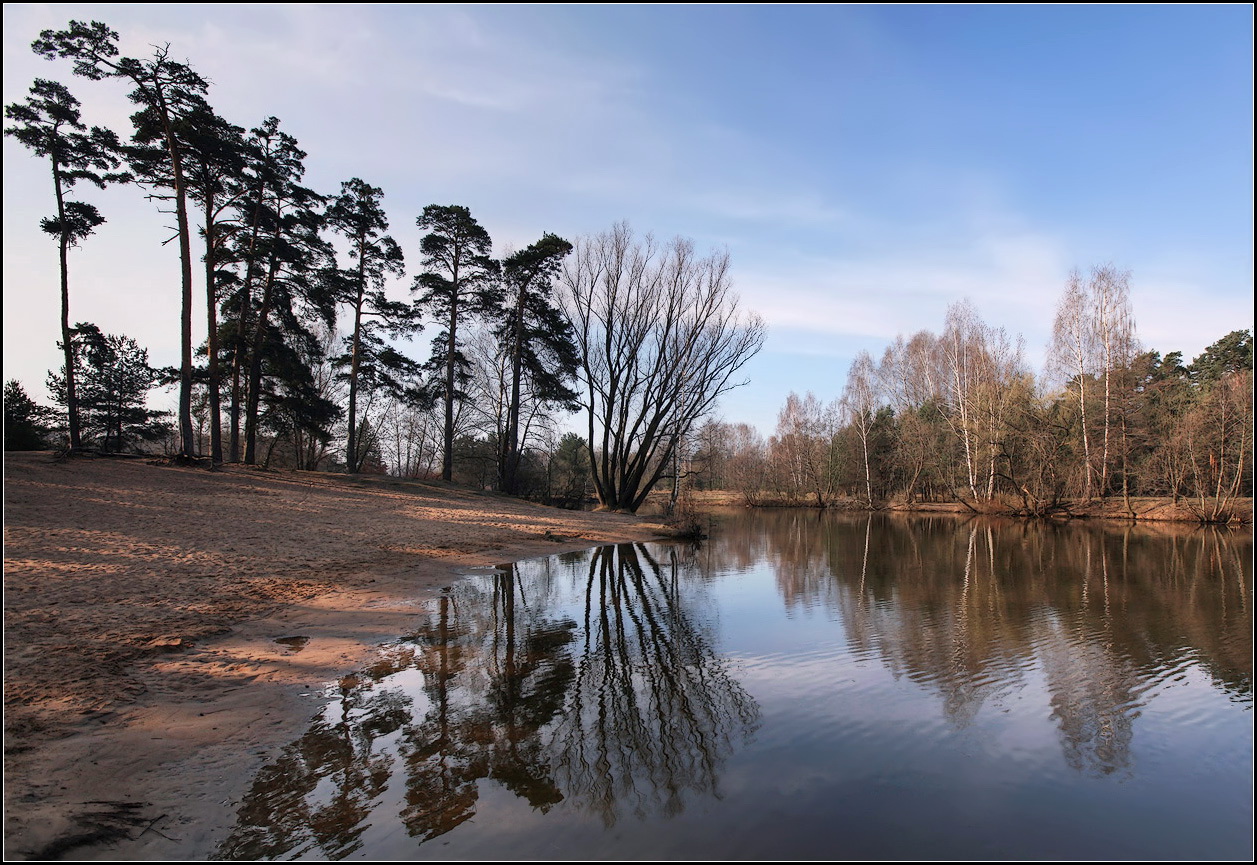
x=1238, y=511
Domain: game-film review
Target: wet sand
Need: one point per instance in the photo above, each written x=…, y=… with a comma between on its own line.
x=167, y=630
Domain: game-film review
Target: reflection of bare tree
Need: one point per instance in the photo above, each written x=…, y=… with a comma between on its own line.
x=951, y=628
x=643, y=714
x=1120, y=639
x=1094, y=702
x=1220, y=600
x=622, y=707
x=799, y=553
x=1094, y=687
x=929, y=597
x=653, y=711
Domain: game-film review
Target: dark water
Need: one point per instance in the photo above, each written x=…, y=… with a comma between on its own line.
x=802, y=686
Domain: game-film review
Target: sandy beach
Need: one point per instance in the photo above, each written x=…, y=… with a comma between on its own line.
x=167, y=630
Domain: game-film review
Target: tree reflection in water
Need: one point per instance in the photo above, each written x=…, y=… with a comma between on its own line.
x=653, y=712
x=968, y=608
x=585, y=690
x=627, y=717
x=489, y=706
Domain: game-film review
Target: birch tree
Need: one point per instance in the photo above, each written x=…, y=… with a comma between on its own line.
x=1093, y=340
x=804, y=446
x=1072, y=358
x=960, y=350
x=909, y=379
x=1115, y=334
x=859, y=403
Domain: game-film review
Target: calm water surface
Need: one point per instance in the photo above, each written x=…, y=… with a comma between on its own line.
x=803, y=685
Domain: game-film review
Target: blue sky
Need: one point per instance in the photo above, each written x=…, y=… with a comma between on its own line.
x=865, y=166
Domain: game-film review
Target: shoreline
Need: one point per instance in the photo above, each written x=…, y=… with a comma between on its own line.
x=144, y=684
x=1143, y=509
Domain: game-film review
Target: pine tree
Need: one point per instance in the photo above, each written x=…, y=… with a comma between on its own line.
x=26, y=425
x=214, y=158
x=538, y=342
x=287, y=283
x=459, y=282
x=115, y=378
x=49, y=124
x=357, y=215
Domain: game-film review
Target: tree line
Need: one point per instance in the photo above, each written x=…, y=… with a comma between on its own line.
x=958, y=416
x=518, y=339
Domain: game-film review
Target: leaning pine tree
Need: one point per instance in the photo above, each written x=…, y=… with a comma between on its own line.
x=48, y=123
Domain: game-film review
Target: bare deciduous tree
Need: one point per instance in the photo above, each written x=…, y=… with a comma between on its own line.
x=1072, y=357
x=747, y=462
x=1219, y=434
x=1115, y=335
x=804, y=447
x=859, y=400
x=1093, y=339
x=660, y=336
x=982, y=367
x=909, y=380
x=960, y=347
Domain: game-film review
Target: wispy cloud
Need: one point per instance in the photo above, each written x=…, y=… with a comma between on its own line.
x=1008, y=277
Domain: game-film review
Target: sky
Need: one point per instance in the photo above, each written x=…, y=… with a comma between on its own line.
x=864, y=166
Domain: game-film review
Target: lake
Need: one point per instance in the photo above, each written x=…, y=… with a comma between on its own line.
x=803, y=685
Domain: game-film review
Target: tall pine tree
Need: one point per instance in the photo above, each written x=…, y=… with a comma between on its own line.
x=48, y=122
x=214, y=158
x=357, y=216
x=459, y=282
x=538, y=342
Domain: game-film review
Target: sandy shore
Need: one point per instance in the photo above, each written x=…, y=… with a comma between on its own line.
x=144, y=683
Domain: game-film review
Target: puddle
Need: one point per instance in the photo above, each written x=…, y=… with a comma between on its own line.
x=293, y=644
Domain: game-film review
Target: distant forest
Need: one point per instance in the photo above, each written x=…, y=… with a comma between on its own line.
x=639, y=337
x=957, y=416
